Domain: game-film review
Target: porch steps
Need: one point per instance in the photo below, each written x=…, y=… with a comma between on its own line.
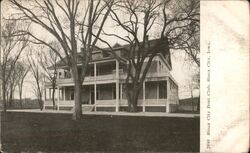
x=87, y=108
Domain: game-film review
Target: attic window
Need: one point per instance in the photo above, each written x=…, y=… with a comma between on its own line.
x=105, y=54
x=160, y=67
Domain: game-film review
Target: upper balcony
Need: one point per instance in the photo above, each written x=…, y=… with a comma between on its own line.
x=91, y=79
x=109, y=72
x=108, y=78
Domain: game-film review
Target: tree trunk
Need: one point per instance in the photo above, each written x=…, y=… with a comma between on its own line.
x=11, y=98
x=77, y=93
x=53, y=96
x=198, y=104
x=7, y=99
x=133, y=104
x=20, y=86
x=77, y=97
x=133, y=99
x=192, y=104
x=40, y=101
x=4, y=97
x=20, y=96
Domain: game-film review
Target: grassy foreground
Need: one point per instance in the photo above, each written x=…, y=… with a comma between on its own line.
x=58, y=132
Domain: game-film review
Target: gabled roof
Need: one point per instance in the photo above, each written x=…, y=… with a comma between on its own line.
x=152, y=44
x=117, y=47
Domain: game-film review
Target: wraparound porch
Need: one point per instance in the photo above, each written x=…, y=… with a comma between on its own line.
x=112, y=97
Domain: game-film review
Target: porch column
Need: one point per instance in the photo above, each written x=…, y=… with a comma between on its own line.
x=64, y=93
x=143, y=96
x=95, y=95
x=157, y=92
x=157, y=66
x=94, y=86
x=121, y=91
x=95, y=71
x=117, y=86
x=58, y=96
x=168, y=95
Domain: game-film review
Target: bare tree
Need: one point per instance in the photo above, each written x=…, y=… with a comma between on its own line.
x=11, y=84
x=143, y=19
x=192, y=49
x=38, y=75
x=13, y=81
x=48, y=62
x=12, y=45
x=22, y=71
x=189, y=38
x=196, y=86
x=62, y=19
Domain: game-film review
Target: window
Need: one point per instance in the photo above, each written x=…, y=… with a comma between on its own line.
x=124, y=96
x=97, y=92
x=92, y=93
x=60, y=74
x=72, y=95
x=67, y=74
x=97, y=70
x=162, y=90
x=113, y=92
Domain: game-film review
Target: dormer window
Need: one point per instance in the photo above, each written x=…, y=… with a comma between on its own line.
x=60, y=74
x=105, y=54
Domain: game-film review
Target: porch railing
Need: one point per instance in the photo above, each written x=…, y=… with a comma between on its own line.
x=123, y=102
x=48, y=103
x=155, y=101
x=148, y=102
x=61, y=102
x=106, y=102
x=111, y=76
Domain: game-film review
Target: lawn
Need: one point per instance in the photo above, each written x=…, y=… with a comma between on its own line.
x=58, y=132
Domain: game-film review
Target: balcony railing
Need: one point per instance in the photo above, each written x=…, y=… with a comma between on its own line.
x=88, y=79
x=108, y=77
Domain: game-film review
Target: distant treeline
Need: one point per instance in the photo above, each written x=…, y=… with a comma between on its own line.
x=25, y=104
x=189, y=104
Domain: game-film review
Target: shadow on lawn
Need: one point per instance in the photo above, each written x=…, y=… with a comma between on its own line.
x=57, y=132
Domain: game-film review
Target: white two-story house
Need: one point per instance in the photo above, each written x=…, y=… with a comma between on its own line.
x=104, y=89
